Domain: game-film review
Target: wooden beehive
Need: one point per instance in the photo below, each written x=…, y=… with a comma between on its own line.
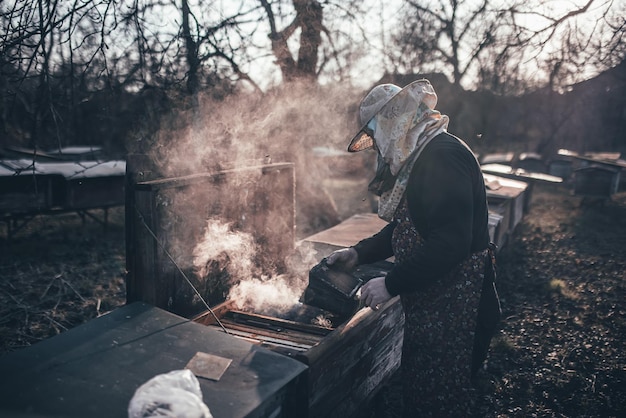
x=346, y=362
x=501, y=206
x=508, y=198
x=87, y=184
x=531, y=161
x=497, y=232
x=25, y=192
x=596, y=181
x=167, y=217
x=561, y=167
x=93, y=370
x=39, y=187
x=348, y=359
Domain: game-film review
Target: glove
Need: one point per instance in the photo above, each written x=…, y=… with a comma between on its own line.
x=345, y=259
x=374, y=293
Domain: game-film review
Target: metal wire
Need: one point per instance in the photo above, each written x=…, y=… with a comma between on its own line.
x=182, y=273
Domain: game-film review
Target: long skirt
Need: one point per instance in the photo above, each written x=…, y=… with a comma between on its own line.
x=439, y=331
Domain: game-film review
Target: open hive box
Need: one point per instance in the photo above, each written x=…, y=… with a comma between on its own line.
x=349, y=353
x=347, y=362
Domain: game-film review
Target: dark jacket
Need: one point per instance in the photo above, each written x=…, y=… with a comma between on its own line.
x=447, y=203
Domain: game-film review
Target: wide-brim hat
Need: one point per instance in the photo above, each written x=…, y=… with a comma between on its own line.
x=389, y=99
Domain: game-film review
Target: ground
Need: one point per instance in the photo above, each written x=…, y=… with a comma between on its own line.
x=562, y=282
x=561, y=277
x=58, y=272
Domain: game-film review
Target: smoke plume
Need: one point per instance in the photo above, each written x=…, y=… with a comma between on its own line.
x=243, y=130
x=251, y=288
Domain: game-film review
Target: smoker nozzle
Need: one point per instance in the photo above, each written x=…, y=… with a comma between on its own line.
x=356, y=288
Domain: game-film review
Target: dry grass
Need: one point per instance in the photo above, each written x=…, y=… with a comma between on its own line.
x=58, y=272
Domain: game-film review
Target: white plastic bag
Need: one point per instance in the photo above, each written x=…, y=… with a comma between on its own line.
x=175, y=394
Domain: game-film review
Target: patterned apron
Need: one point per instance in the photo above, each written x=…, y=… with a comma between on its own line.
x=439, y=331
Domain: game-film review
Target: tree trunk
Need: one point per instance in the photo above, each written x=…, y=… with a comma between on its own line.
x=193, y=83
x=309, y=14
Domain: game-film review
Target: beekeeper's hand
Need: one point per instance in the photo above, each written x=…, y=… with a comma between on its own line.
x=345, y=259
x=374, y=293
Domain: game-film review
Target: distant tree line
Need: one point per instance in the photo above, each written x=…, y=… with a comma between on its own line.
x=103, y=71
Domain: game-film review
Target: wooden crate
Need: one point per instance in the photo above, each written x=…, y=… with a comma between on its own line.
x=348, y=362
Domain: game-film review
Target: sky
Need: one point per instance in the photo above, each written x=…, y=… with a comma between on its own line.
x=374, y=29
x=382, y=17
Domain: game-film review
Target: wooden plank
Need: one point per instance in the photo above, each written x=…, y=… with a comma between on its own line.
x=350, y=231
x=200, y=178
x=263, y=333
x=251, y=318
x=276, y=333
x=277, y=343
x=141, y=279
x=606, y=158
x=519, y=174
x=356, y=356
x=498, y=158
x=218, y=312
x=137, y=165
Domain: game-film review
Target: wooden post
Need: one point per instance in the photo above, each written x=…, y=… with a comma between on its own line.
x=139, y=168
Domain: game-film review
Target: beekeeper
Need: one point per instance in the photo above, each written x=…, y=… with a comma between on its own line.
x=432, y=193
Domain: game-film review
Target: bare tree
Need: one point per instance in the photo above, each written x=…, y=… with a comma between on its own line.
x=215, y=39
x=491, y=43
x=35, y=45
x=55, y=56
x=317, y=39
x=609, y=47
x=308, y=17
x=454, y=34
